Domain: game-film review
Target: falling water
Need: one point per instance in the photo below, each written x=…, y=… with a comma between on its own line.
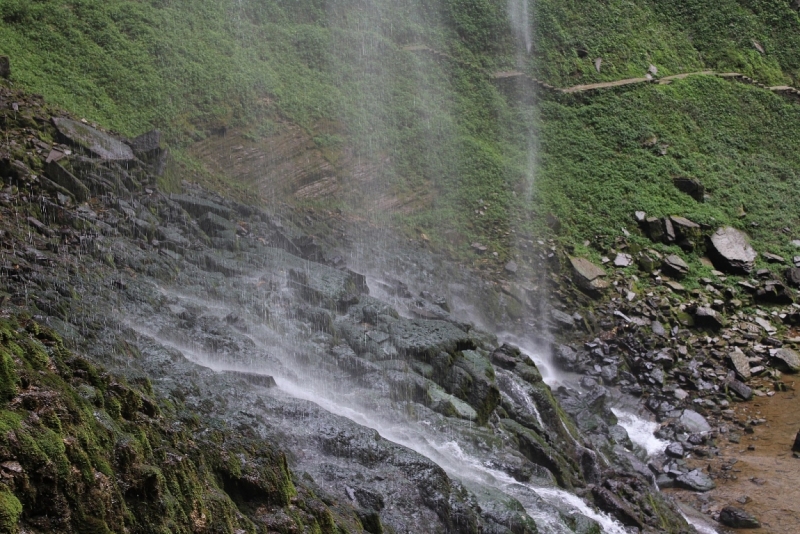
x=520, y=22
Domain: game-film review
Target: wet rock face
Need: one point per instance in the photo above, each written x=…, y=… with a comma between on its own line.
x=731, y=251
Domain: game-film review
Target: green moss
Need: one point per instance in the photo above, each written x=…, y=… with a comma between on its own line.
x=8, y=375
x=10, y=512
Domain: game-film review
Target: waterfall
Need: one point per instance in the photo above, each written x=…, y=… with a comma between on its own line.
x=520, y=22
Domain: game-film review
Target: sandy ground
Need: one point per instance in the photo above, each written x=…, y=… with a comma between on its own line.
x=759, y=474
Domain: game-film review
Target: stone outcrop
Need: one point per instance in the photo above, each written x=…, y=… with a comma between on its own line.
x=731, y=251
x=97, y=143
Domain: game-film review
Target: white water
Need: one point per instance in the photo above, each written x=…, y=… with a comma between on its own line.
x=541, y=502
x=641, y=431
x=520, y=22
x=449, y=455
x=520, y=395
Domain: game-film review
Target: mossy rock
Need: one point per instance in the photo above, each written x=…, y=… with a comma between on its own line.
x=10, y=512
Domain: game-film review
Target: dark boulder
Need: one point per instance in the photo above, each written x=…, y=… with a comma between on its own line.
x=691, y=187
x=654, y=227
x=740, y=363
x=733, y=517
x=688, y=234
x=675, y=450
x=796, y=445
x=731, y=251
x=792, y=276
x=738, y=387
x=705, y=317
x=614, y=505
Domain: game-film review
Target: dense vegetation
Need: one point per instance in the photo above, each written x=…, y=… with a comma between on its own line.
x=494, y=163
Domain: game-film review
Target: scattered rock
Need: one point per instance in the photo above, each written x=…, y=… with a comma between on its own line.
x=696, y=481
x=589, y=276
x=623, y=260
x=786, y=360
x=733, y=517
x=792, y=276
x=654, y=227
x=197, y=207
x=563, y=321
x=511, y=267
x=566, y=357
x=773, y=258
x=675, y=266
x=675, y=450
x=740, y=363
x=705, y=317
x=740, y=388
x=731, y=251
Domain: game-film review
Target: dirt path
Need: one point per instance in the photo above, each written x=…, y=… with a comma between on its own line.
x=764, y=481
x=780, y=89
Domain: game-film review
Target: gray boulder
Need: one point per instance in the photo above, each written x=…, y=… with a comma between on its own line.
x=731, y=251
x=675, y=266
x=693, y=422
x=94, y=141
x=589, y=276
x=786, y=360
x=565, y=357
x=739, y=363
x=733, y=517
x=696, y=481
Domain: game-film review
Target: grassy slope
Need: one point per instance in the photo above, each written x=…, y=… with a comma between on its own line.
x=739, y=141
x=337, y=69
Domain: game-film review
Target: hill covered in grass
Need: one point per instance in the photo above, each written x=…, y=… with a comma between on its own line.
x=474, y=162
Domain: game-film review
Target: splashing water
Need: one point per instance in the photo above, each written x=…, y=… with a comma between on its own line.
x=641, y=431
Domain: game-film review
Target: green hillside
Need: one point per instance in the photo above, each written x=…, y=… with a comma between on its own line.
x=339, y=70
